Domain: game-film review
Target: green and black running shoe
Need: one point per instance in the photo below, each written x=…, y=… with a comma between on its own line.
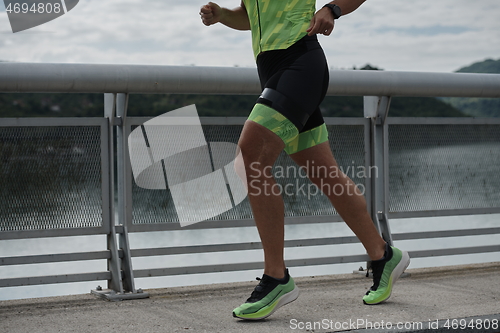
x=386, y=271
x=269, y=295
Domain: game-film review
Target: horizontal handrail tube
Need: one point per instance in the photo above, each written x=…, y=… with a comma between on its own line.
x=225, y=121
x=99, y=78
x=327, y=260
x=304, y=262
x=147, y=227
x=142, y=273
x=60, y=257
x=52, y=121
x=46, y=233
x=148, y=252
x=239, y=246
x=454, y=251
x=445, y=233
x=442, y=121
x=165, y=251
x=443, y=212
x=51, y=279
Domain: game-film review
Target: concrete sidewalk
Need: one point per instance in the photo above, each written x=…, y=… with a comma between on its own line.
x=332, y=302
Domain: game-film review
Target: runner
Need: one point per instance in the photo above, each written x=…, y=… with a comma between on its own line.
x=294, y=77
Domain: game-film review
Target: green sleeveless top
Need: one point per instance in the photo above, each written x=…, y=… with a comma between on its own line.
x=278, y=24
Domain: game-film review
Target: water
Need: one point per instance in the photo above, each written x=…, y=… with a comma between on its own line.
x=441, y=180
x=194, y=237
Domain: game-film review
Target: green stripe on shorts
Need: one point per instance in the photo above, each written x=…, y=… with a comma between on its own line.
x=307, y=139
x=275, y=122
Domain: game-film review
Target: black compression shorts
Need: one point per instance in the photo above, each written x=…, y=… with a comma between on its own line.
x=294, y=83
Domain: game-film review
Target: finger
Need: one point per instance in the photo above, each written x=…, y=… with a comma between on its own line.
x=207, y=16
x=329, y=30
x=325, y=30
x=313, y=30
x=207, y=21
x=318, y=28
x=313, y=20
x=205, y=10
x=213, y=6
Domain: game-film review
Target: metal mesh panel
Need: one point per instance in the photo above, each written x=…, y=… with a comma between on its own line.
x=228, y=133
x=347, y=142
x=438, y=167
x=51, y=178
x=156, y=206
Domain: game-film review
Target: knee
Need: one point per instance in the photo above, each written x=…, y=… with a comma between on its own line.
x=249, y=148
x=251, y=162
x=259, y=146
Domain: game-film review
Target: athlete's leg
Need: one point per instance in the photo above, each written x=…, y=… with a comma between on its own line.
x=343, y=193
x=261, y=141
x=260, y=148
x=293, y=82
x=274, y=123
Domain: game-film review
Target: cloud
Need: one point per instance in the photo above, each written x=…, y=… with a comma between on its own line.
x=400, y=35
x=432, y=30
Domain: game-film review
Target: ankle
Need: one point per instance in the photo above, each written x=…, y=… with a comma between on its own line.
x=278, y=274
x=378, y=253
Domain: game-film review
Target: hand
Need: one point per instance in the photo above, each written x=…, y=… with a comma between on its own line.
x=321, y=23
x=210, y=13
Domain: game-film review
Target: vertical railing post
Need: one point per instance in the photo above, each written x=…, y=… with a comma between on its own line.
x=368, y=163
x=121, y=285
x=114, y=266
x=376, y=108
x=124, y=189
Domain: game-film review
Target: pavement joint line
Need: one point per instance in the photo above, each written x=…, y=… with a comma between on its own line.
x=469, y=291
x=443, y=326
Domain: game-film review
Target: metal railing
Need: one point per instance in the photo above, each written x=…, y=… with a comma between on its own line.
x=53, y=151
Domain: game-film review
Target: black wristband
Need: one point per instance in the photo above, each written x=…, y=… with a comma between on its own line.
x=336, y=11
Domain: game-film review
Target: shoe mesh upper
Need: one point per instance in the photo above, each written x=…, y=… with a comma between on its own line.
x=265, y=286
x=378, y=268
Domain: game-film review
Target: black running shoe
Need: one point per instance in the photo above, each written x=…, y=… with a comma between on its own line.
x=269, y=295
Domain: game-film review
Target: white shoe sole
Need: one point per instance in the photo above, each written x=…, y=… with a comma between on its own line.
x=285, y=299
x=401, y=267
x=396, y=273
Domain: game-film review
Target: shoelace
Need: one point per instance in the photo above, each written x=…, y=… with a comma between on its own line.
x=377, y=268
x=260, y=289
x=257, y=291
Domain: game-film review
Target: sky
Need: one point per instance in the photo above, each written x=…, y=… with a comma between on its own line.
x=395, y=35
